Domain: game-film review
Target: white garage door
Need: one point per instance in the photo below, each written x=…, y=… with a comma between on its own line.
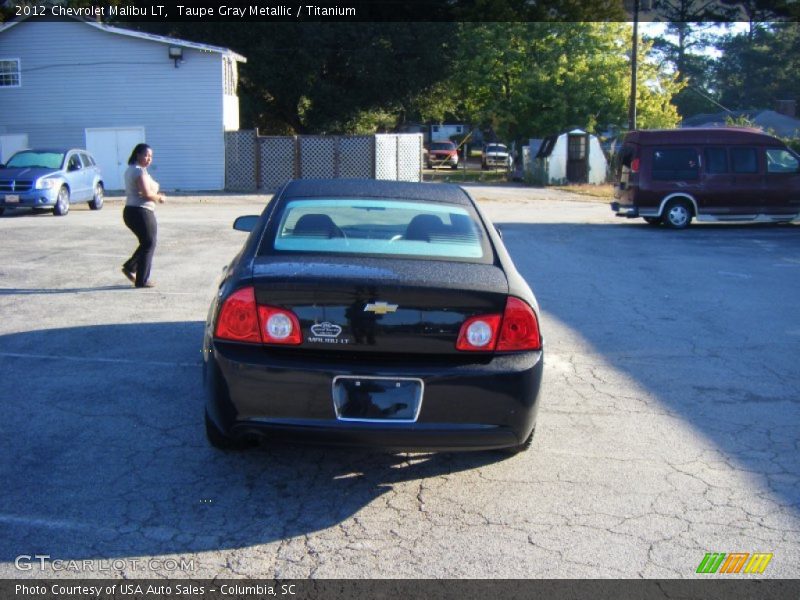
x=111, y=148
x=11, y=143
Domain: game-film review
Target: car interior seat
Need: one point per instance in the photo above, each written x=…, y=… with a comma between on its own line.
x=317, y=225
x=421, y=227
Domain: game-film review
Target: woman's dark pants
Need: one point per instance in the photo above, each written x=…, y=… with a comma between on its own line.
x=142, y=223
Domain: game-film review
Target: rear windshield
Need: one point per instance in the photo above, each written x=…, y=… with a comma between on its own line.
x=379, y=227
x=496, y=148
x=443, y=146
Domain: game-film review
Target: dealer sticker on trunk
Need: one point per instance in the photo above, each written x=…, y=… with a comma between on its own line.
x=327, y=333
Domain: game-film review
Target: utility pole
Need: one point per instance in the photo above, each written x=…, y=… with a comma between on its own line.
x=634, y=67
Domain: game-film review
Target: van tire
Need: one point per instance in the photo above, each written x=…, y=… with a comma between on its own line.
x=677, y=214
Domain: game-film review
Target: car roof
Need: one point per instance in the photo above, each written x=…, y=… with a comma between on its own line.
x=700, y=135
x=375, y=188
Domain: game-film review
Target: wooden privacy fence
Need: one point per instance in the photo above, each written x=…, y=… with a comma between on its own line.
x=264, y=163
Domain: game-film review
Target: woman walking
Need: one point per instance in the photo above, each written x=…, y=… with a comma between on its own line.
x=141, y=195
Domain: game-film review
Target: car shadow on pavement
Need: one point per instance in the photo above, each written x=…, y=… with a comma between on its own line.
x=73, y=290
x=697, y=332
x=105, y=424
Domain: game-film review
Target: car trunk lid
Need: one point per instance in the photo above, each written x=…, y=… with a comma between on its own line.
x=378, y=306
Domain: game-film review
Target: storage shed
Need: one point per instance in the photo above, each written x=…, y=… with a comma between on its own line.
x=76, y=83
x=571, y=157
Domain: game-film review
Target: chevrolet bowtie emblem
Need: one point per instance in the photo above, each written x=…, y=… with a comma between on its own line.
x=380, y=308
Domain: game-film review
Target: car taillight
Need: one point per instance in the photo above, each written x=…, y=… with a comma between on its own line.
x=517, y=329
x=238, y=319
x=279, y=326
x=635, y=165
x=479, y=334
x=520, y=329
x=242, y=320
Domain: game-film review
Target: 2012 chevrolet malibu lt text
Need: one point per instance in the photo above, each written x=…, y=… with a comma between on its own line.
x=373, y=313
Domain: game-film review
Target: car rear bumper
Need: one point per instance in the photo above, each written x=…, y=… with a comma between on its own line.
x=251, y=392
x=625, y=210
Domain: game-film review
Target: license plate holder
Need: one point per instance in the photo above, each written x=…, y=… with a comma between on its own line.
x=12, y=198
x=377, y=399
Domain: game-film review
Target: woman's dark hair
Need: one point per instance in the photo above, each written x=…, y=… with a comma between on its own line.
x=138, y=150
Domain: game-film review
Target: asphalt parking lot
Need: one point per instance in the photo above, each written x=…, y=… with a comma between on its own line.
x=668, y=427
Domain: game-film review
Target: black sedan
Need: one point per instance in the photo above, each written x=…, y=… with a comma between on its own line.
x=374, y=313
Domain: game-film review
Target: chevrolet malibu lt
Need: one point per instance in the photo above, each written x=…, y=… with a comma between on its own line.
x=372, y=313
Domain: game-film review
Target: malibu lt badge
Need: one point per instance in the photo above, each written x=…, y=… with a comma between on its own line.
x=327, y=333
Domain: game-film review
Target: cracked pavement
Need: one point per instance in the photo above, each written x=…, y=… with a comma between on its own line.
x=668, y=424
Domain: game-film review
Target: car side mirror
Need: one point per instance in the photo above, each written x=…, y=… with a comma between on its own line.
x=245, y=223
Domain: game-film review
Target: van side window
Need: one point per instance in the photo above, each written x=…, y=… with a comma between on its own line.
x=781, y=161
x=675, y=164
x=716, y=160
x=744, y=160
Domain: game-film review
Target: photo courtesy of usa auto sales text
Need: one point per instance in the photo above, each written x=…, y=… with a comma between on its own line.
x=139, y=590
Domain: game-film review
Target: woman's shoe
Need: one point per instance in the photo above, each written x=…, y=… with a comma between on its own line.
x=147, y=285
x=130, y=275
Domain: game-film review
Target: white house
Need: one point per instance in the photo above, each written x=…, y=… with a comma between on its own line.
x=442, y=131
x=76, y=83
x=572, y=157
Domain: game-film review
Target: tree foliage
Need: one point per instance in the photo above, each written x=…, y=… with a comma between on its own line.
x=533, y=79
x=759, y=67
x=519, y=79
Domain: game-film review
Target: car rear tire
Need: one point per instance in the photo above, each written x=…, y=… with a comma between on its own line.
x=62, y=202
x=454, y=167
x=654, y=221
x=677, y=214
x=96, y=203
x=2, y=210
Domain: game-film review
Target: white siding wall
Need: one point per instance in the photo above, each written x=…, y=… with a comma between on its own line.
x=557, y=161
x=598, y=165
x=75, y=76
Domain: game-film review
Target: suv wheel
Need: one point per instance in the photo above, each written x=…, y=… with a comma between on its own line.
x=677, y=214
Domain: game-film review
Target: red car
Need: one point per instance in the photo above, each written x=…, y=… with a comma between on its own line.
x=443, y=154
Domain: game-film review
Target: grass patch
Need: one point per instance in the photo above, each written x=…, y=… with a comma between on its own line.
x=461, y=176
x=603, y=191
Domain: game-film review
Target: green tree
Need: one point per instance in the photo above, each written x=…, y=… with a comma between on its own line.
x=760, y=66
x=533, y=79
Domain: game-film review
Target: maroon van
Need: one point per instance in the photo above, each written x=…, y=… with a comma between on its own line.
x=670, y=176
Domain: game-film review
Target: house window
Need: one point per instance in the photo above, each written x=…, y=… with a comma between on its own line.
x=229, y=76
x=9, y=72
